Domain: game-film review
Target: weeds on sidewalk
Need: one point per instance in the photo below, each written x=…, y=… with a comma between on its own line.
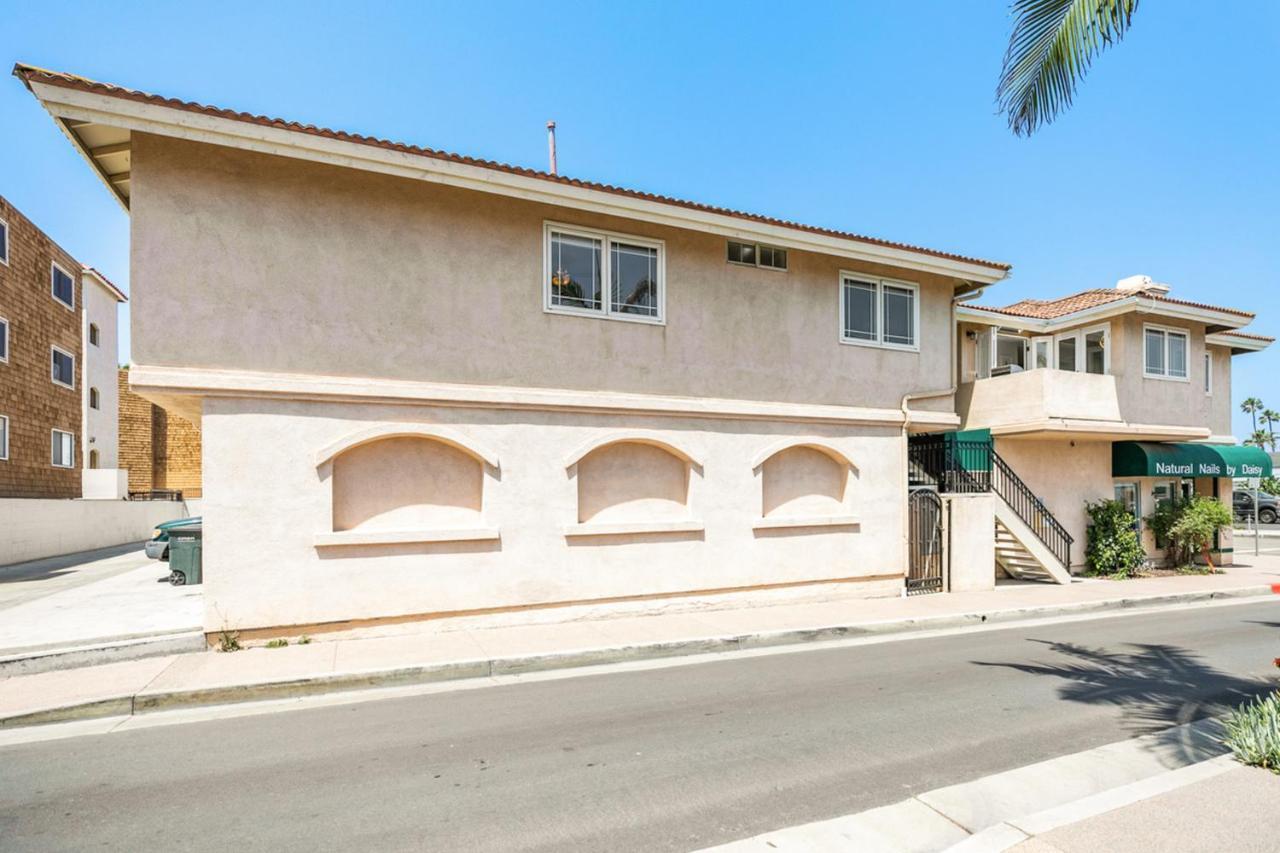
x=229, y=641
x=278, y=643
x=304, y=640
x=1253, y=732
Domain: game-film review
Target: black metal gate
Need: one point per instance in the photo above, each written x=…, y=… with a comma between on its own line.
x=927, y=546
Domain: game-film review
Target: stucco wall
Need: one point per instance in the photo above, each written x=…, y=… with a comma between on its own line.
x=101, y=424
x=1167, y=401
x=1064, y=475
x=250, y=261
x=35, y=528
x=267, y=497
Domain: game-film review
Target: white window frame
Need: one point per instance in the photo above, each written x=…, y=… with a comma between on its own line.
x=1167, y=330
x=8, y=341
x=758, y=247
x=1137, y=497
x=880, y=283
x=1080, y=335
x=1208, y=372
x=4, y=258
x=54, y=265
x=53, y=377
x=606, y=273
x=4, y=439
x=53, y=434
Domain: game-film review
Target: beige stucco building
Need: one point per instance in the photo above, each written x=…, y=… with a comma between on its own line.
x=429, y=384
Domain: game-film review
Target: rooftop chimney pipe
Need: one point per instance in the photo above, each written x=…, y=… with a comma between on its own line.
x=551, y=145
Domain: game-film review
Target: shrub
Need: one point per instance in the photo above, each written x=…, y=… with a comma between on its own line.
x=1253, y=732
x=1161, y=522
x=1113, y=548
x=1193, y=531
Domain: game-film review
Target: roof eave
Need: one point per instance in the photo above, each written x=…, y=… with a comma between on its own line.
x=1215, y=320
x=68, y=104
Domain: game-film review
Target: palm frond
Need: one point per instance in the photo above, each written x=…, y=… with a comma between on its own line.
x=1052, y=46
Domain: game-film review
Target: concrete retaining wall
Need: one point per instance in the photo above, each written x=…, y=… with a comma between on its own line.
x=32, y=528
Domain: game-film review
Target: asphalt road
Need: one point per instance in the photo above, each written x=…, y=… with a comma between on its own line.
x=666, y=759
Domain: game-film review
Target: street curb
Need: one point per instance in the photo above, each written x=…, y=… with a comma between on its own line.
x=109, y=650
x=150, y=701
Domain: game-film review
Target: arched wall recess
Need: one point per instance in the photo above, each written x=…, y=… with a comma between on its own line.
x=805, y=483
x=632, y=483
x=399, y=483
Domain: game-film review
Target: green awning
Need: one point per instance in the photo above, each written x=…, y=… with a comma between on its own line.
x=1161, y=459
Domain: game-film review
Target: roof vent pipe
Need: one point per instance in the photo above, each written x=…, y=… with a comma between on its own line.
x=551, y=145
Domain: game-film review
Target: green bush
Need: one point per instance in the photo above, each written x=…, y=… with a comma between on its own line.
x=1161, y=523
x=1193, y=532
x=1270, y=485
x=1113, y=547
x=1253, y=733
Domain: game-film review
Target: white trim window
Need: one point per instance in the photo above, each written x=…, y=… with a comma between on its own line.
x=1130, y=495
x=1086, y=350
x=4, y=438
x=757, y=255
x=1164, y=352
x=4, y=243
x=62, y=367
x=600, y=274
x=879, y=312
x=62, y=449
x=1208, y=374
x=4, y=341
x=62, y=286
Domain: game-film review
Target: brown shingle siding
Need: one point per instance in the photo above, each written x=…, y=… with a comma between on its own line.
x=34, y=405
x=161, y=450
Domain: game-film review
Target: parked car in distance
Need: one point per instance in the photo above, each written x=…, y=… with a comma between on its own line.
x=157, y=547
x=1268, y=506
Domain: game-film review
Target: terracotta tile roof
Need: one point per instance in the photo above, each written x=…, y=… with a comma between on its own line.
x=29, y=74
x=120, y=297
x=1051, y=309
x=1233, y=333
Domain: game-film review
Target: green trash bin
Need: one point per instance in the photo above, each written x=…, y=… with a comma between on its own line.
x=184, y=555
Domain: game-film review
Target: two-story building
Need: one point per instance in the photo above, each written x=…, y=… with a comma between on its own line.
x=1120, y=392
x=431, y=384
x=58, y=396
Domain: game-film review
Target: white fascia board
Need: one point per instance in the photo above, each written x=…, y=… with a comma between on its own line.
x=1236, y=342
x=184, y=124
x=977, y=314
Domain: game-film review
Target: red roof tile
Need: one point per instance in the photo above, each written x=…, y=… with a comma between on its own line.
x=1051, y=309
x=29, y=74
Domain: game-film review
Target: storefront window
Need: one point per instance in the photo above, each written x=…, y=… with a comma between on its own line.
x=1127, y=494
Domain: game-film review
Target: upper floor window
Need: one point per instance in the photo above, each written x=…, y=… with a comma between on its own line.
x=4, y=242
x=1164, y=353
x=63, y=367
x=93, y=334
x=63, y=286
x=599, y=274
x=4, y=340
x=93, y=398
x=879, y=312
x=1208, y=373
x=63, y=449
x=1084, y=350
x=756, y=255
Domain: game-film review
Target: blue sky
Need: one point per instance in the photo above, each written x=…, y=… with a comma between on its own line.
x=868, y=116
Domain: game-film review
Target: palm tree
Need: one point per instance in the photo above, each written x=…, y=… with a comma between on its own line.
x=1052, y=45
x=1271, y=417
x=1251, y=406
x=1259, y=438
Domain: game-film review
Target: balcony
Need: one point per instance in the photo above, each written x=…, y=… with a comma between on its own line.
x=1048, y=403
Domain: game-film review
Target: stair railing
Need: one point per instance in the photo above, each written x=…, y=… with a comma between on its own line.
x=1009, y=486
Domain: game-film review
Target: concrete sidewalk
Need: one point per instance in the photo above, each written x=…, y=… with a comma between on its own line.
x=458, y=648
x=1232, y=807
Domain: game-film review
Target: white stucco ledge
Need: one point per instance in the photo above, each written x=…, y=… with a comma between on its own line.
x=403, y=430
x=402, y=537
x=634, y=437
x=819, y=444
x=628, y=527
x=801, y=521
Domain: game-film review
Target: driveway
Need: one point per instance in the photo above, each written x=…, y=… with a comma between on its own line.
x=80, y=599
